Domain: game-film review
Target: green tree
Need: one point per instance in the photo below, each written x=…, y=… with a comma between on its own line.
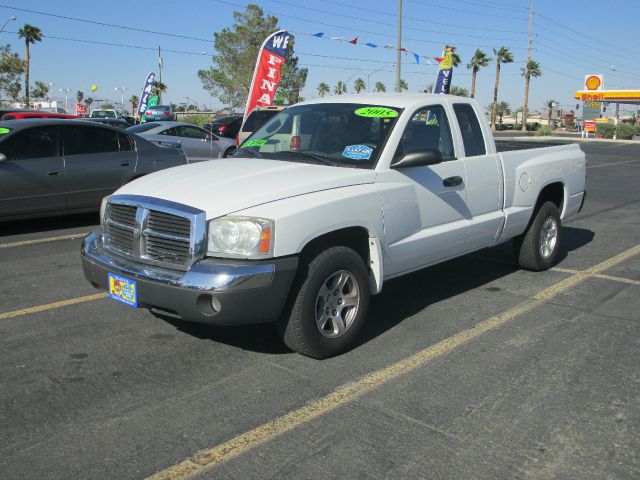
x=340, y=88
x=323, y=89
x=229, y=79
x=380, y=87
x=11, y=68
x=13, y=91
x=478, y=61
x=403, y=85
x=549, y=104
x=532, y=69
x=134, y=100
x=88, y=101
x=79, y=96
x=158, y=89
x=455, y=58
x=40, y=91
x=359, y=85
x=502, y=109
x=107, y=106
x=503, y=55
x=31, y=35
x=429, y=88
x=458, y=91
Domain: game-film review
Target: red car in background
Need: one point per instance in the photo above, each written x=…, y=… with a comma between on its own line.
x=23, y=115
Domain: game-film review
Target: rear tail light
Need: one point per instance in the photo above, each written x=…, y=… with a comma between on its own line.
x=237, y=139
x=222, y=129
x=295, y=143
x=148, y=112
x=165, y=113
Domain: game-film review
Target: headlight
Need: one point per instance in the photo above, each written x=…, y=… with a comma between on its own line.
x=240, y=237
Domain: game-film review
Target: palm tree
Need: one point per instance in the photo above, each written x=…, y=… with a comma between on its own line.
x=340, y=88
x=503, y=55
x=359, y=85
x=403, y=85
x=79, y=96
x=31, y=35
x=455, y=58
x=531, y=70
x=134, y=100
x=478, y=61
x=40, y=91
x=158, y=89
x=550, y=104
x=88, y=102
x=502, y=108
x=458, y=91
x=380, y=87
x=323, y=89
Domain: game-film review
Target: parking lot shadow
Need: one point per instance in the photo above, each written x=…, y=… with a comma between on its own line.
x=20, y=227
x=401, y=298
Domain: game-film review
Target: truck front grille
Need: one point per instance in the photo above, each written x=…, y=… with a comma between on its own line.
x=152, y=232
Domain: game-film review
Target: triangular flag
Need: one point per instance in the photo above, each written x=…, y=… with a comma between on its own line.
x=426, y=59
x=417, y=57
x=372, y=45
x=388, y=46
x=337, y=38
x=439, y=59
x=354, y=41
x=402, y=49
x=319, y=34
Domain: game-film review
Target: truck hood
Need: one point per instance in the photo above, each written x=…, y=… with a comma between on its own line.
x=221, y=187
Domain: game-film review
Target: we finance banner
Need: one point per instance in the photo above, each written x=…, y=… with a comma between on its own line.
x=266, y=75
x=445, y=71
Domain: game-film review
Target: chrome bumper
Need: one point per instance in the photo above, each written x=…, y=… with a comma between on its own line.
x=248, y=291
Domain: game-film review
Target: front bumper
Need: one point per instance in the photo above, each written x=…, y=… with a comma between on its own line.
x=247, y=291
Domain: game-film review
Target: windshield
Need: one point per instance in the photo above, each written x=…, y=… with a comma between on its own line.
x=341, y=134
x=103, y=114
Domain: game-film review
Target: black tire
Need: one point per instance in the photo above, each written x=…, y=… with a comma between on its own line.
x=528, y=247
x=298, y=327
x=229, y=151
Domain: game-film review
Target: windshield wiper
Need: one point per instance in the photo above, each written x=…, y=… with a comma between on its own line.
x=318, y=158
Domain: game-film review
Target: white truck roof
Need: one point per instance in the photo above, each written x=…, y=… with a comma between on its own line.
x=400, y=100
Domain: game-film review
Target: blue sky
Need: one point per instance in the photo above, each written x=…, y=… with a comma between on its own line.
x=571, y=38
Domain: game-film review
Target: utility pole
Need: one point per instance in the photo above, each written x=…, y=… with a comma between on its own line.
x=399, y=46
x=525, y=112
x=66, y=97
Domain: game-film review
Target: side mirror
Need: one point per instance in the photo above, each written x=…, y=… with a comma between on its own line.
x=3, y=157
x=418, y=158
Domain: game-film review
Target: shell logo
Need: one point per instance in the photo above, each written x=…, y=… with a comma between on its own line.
x=593, y=82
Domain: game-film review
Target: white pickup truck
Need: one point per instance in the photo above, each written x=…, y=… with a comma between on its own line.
x=323, y=204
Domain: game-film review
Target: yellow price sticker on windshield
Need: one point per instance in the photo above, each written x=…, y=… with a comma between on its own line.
x=376, y=112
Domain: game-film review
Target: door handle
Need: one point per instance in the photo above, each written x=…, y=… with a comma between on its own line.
x=54, y=172
x=452, y=181
x=125, y=164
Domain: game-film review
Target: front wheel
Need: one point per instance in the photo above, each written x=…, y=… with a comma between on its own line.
x=330, y=304
x=229, y=151
x=537, y=248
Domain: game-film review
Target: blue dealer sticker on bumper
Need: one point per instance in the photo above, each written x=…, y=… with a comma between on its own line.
x=123, y=290
x=357, y=152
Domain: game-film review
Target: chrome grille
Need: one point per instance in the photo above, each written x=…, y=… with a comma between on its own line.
x=167, y=237
x=154, y=231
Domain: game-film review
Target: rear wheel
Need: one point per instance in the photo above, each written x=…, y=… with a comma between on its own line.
x=330, y=304
x=537, y=248
x=229, y=151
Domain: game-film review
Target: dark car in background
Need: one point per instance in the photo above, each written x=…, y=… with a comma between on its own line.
x=255, y=119
x=53, y=167
x=227, y=127
x=159, y=113
x=114, y=122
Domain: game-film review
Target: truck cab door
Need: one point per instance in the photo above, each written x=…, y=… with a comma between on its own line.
x=32, y=176
x=425, y=208
x=485, y=187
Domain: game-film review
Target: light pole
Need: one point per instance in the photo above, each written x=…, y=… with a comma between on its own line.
x=66, y=97
x=121, y=90
x=10, y=19
x=49, y=93
x=369, y=75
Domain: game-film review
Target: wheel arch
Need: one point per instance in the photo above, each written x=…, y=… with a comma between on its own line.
x=554, y=192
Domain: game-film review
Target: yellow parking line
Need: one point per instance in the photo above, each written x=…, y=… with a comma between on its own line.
x=600, y=275
x=208, y=459
x=52, y=306
x=43, y=240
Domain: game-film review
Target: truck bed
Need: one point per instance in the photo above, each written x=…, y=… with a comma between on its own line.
x=508, y=145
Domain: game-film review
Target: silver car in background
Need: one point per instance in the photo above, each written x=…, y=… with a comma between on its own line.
x=197, y=143
x=53, y=167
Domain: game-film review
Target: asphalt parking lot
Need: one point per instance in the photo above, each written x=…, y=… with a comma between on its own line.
x=470, y=369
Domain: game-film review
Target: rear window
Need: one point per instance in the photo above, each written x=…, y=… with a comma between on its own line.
x=143, y=127
x=470, y=129
x=37, y=142
x=161, y=107
x=257, y=118
x=82, y=140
